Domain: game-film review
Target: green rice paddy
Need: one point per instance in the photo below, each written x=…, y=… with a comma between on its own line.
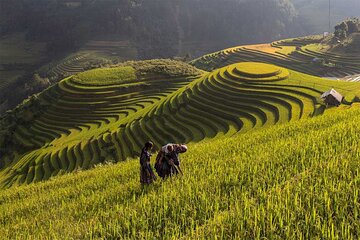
x=294, y=181
x=106, y=114
x=266, y=159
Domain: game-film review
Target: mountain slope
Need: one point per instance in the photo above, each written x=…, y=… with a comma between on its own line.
x=308, y=55
x=107, y=114
x=276, y=182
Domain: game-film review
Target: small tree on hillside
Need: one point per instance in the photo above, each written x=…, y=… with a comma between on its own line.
x=347, y=27
x=341, y=30
x=353, y=25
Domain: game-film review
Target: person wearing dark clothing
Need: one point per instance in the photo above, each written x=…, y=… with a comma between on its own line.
x=147, y=175
x=167, y=160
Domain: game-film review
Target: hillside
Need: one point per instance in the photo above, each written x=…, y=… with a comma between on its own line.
x=43, y=41
x=67, y=25
x=351, y=45
x=257, y=131
x=293, y=181
x=58, y=38
x=28, y=67
x=310, y=55
x=105, y=115
x=182, y=119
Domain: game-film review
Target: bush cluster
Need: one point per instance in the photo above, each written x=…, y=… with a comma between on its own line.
x=346, y=28
x=166, y=67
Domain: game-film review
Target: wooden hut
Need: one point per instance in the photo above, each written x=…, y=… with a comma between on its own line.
x=332, y=98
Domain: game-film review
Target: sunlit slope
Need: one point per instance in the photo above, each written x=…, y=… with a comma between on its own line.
x=295, y=54
x=294, y=181
x=66, y=127
x=87, y=122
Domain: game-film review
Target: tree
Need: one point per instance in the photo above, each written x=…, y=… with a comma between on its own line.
x=341, y=30
x=353, y=25
x=347, y=27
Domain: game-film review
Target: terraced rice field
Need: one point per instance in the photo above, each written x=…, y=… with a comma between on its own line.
x=299, y=57
x=7, y=78
x=352, y=78
x=294, y=181
x=17, y=57
x=111, y=47
x=86, y=122
x=67, y=67
x=93, y=54
x=66, y=133
x=248, y=175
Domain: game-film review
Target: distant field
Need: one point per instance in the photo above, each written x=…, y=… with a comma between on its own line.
x=121, y=49
x=93, y=54
x=17, y=56
x=8, y=77
x=297, y=54
x=16, y=49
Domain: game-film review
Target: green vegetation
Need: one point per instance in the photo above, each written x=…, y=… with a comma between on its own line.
x=267, y=158
x=297, y=54
x=22, y=64
x=165, y=67
x=57, y=39
x=260, y=71
x=100, y=116
x=71, y=113
x=293, y=181
x=245, y=174
x=93, y=54
x=99, y=34
x=106, y=76
x=346, y=28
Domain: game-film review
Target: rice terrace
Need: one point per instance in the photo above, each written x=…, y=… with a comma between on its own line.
x=267, y=134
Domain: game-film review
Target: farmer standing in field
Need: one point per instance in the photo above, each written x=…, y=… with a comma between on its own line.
x=147, y=175
x=167, y=160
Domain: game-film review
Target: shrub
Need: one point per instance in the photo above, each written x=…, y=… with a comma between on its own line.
x=347, y=27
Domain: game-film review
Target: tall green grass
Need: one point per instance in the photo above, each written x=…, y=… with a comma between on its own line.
x=106, y=76
x=295, y=181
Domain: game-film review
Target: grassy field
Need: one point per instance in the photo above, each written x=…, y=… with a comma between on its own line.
x=106, y=114
x=293, y=181
x=106, y=76
x=267, y=159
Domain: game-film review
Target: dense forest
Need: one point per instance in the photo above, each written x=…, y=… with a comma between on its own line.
x=157, y=27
